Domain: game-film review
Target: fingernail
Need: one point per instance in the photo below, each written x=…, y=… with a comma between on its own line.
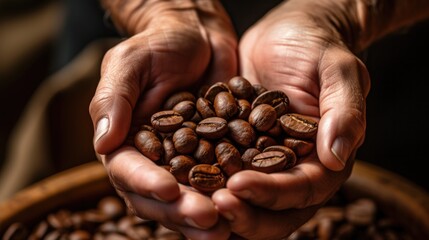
x=340, y=150
x=228, y=215
x=192, y=223
x=102, y=128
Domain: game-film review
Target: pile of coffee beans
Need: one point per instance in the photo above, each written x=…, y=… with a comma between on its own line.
x=357, y=219
x=337, y=220
x=110, y=219
x=205, y=138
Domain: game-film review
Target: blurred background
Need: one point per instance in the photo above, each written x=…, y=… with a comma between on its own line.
x=50, y=53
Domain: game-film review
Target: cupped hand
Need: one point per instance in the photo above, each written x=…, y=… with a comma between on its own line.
x=296, y=50
x=173, y=47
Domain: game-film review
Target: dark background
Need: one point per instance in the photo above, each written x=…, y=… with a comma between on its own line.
x=397, y=106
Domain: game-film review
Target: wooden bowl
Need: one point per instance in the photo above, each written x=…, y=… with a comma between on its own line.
x=396, y=196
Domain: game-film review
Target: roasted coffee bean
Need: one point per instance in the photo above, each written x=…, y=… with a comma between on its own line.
x=185, y=108
x=185, y=140
x=205, y=108
x=180, y=167
x=244, y=109
x=275, y=98
x=299, y=146
x=205, y=152
x=264, y=141
x=269, y=162
x=241, y=87
x=149, y=145
x=276, y=130
x=212, y=128
x=248, y=156
x=262, y=117
x=215, y=89
x=289, y=154
x=241, y=132
x=298, y=125
x=167, y=121
x=206, y=178
x=178, y=97
x=225, y=105
x=169, y=150
x=228, y=157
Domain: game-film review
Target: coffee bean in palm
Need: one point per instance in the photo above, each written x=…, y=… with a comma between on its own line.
x=298, y=125
x=205, y=108
x=241, y=87
x=269, y=162
x=205, y=152
x=228, y=157
x=167, y=121
x=263, y=142
x=241, y=132
x=215, y=89
x=244, y=109
x=212, y=128
x=248, y=156
x=180, y=167
x=276, y=98
x=186, y=109
x=148, y=144
x=288, y=153
x=206, y=178
x=225, y=105
x=185, y=140
x=299, y=146
x=262, y=117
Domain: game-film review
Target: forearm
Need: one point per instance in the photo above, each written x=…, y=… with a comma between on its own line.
x=133, y=16
x=360, y=22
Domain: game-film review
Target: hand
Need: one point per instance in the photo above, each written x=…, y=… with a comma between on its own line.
x=175, y=45
x=296, y=50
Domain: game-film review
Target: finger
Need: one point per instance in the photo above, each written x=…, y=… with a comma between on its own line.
x=115, y=97
x=344, y=87
x=130, y=171
x=307, y=184
x=191, y=209
x=264, y=223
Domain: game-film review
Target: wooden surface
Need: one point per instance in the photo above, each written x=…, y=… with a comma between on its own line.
x=395, y=195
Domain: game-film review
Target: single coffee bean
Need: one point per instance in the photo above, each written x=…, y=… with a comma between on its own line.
x=180, y=167
x=299, y=146
x=212, y=128
x=269, y=162
x=244, y=109
x=264, y=141
x=206, y=178
x=178, y=97
x=205, y=108
x=228, y=157
x=290, y=156
x=276, y=98
x=148, y=144
x=241, y=87
x=186, y=109
x=185, y=140
x=215, y=89
x=169, y=150
x=248, y=156
x=298, y=125
x=167, y=121
x=225, y=105
x=263, y=117
x=205, y=152
x=241, y=132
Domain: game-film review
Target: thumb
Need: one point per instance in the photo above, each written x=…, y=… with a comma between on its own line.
x=344, y=87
